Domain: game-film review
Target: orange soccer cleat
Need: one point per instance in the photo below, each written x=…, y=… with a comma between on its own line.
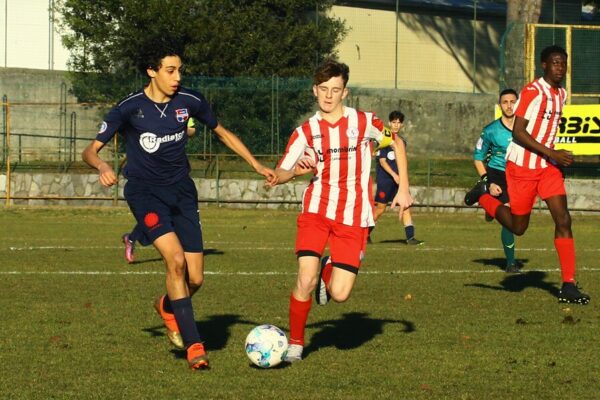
x=170, y=323
x=196, y=356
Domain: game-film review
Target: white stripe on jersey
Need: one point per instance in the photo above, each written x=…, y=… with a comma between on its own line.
x=334, y=175
x=130, y=97
x=313, y=206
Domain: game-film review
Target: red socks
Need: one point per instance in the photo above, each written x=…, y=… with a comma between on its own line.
x=298, y=315
x=490, y=204
x=565, y=247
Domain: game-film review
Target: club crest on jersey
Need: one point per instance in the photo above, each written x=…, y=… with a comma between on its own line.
x=352, y=132
x=182, y=114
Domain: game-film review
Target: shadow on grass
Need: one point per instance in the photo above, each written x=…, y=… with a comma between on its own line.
x=215, y=331
x=520, y=282
x=500, y=263
x=350, y=331
x=207, y=252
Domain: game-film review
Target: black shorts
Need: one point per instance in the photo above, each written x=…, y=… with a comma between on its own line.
x=499, y=178
x=162, y=209
x=386, y=191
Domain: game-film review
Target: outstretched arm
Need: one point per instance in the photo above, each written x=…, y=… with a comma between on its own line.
x=230, y=140
x=403, y=198
x=302, y=167
x=90, y=156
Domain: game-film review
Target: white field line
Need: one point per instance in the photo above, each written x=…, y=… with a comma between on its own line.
x=263, y=273
x=226, y=246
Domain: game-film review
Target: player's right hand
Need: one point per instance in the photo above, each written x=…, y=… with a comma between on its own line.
x=107, y=175
x=495, y=190
x=304, y=166
x=563, y=157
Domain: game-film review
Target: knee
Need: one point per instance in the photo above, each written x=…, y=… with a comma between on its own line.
x=339, y=296
x=176, y=265
x=306, y=284
x=195, y=282
x=563, y=223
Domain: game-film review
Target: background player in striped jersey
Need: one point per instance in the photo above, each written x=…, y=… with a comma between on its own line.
x=533, y=168
x=388, y=180
x=489, y=158
x=336, y=209
x=159, y=190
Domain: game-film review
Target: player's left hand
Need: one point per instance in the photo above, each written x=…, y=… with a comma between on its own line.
x=403, y=200
x=563, y=157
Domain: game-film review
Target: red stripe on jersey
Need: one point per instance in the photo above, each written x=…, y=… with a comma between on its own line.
x=362, y=127
x=306, y=130
x=326, y=176
x=343, y=172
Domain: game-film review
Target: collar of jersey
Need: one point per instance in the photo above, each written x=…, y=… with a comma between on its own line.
x=344, y=115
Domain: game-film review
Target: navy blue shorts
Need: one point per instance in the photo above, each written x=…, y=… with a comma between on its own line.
x=386, y=191
x=162, y=209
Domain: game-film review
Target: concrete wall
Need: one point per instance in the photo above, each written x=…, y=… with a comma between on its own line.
x=41, y=104
x=84, y=189
x=437, y=123
x=420, y=50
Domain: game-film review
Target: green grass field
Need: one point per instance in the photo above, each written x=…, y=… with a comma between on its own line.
x=77, y=320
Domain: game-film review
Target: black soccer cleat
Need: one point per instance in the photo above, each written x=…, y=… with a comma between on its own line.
x=473, y=195
x=569, y=293
x=513, y=268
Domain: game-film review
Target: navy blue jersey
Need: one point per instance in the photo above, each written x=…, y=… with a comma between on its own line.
x=155, y=134
x=387, y=153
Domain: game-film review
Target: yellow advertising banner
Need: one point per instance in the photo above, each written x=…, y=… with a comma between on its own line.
x=579, y=130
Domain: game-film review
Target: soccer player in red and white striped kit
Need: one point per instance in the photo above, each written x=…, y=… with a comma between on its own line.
x=336, y=145
x=533, y=168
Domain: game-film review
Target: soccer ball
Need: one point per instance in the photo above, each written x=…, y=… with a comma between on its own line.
x=266, y=345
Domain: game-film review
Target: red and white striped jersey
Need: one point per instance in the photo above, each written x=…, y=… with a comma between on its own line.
x=541, y=105
x=341, y=187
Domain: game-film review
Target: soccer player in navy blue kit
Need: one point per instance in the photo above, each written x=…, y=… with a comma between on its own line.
x=388, y=179
x=159, y=191
x=489, y=158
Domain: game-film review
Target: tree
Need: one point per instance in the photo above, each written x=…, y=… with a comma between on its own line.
x=218, y=38
x=519, y=13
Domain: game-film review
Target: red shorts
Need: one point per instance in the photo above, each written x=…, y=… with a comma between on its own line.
x=525, y=184
x=347, y=244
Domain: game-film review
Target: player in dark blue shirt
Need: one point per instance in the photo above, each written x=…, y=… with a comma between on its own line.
x=388, y=179
x=159, y=191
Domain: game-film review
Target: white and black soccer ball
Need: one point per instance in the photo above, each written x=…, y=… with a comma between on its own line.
x=266, y=346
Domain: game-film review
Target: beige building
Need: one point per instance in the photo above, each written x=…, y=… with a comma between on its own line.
x=422, y=49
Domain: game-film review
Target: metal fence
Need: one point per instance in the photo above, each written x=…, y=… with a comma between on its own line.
x=582, y=43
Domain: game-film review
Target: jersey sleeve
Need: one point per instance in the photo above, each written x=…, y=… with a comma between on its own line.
x=377, y=132
x=203, y=112
x=111, y=124
x=527, y=100
x=297, y=147
x=482, y=147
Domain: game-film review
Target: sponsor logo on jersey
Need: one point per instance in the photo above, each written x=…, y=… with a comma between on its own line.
x=182, y=114
x=103, y=127
x=150, y=142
